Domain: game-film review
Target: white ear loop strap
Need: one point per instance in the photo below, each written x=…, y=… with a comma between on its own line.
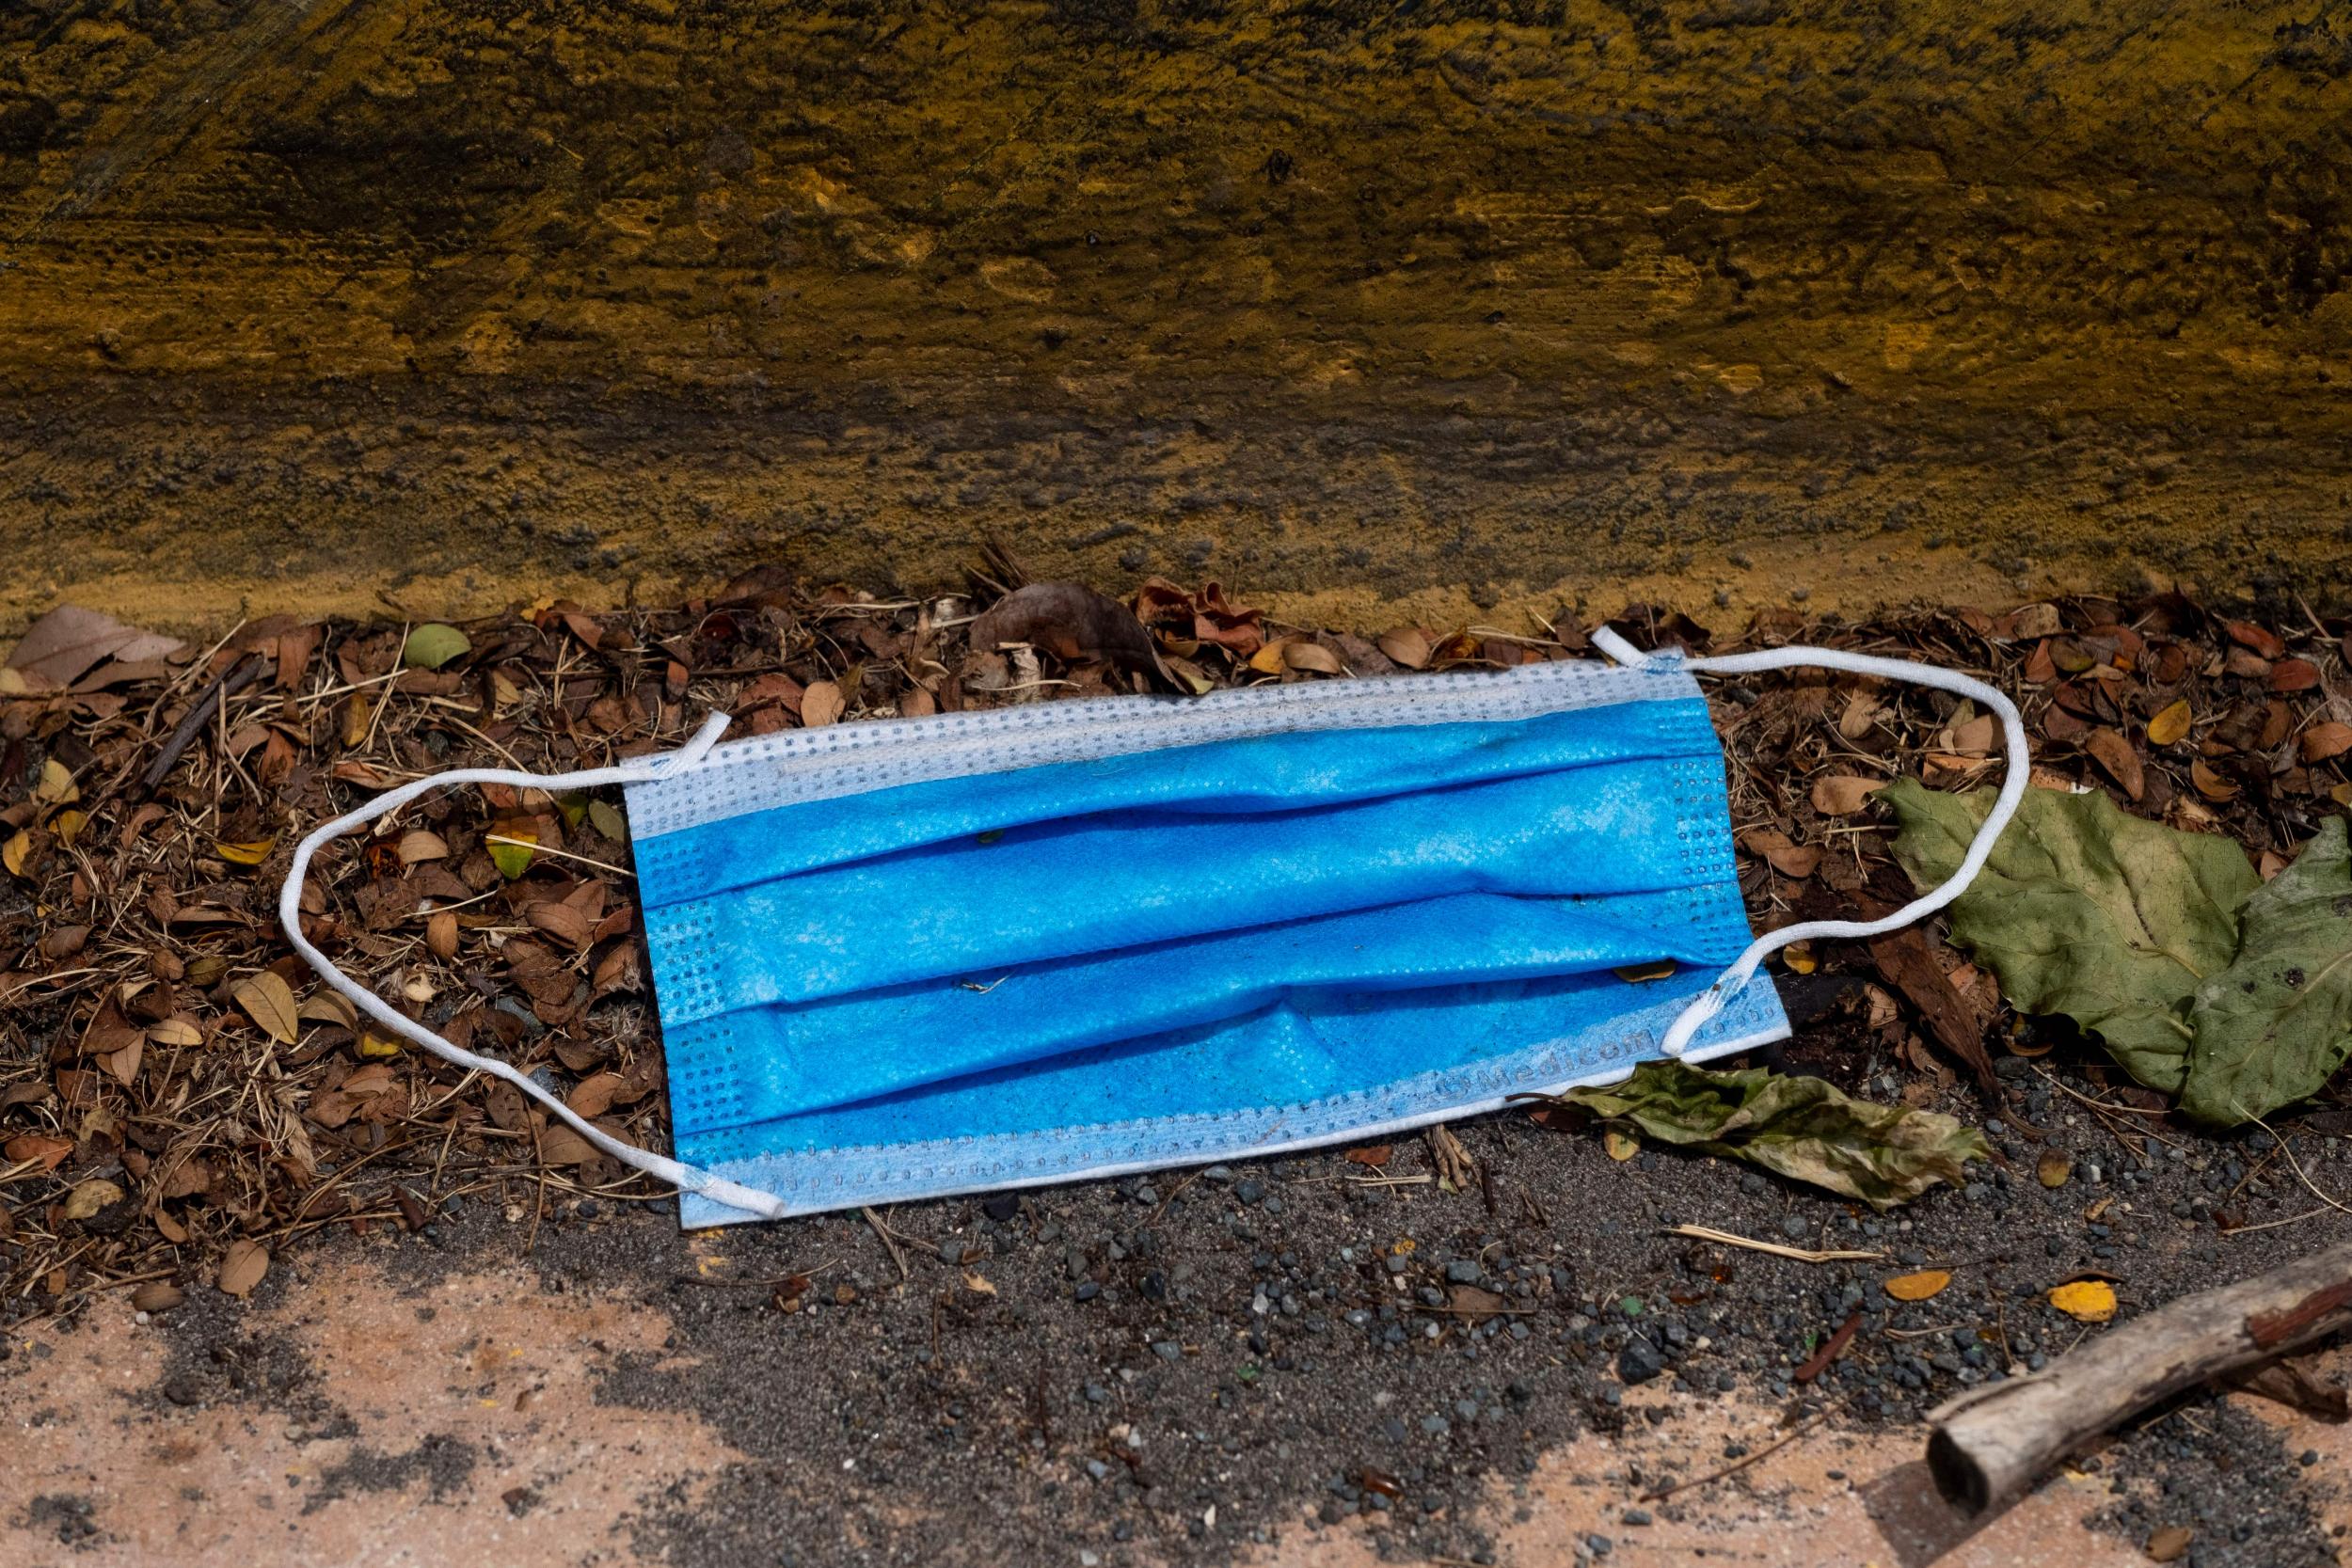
x=1710, y=1002
x=766, y=1205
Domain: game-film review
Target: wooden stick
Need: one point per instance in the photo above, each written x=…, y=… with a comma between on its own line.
x=231, y=681
x=1991, y=1443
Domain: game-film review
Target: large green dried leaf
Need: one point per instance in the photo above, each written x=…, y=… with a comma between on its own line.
x=2085, y=911
x=2277, y=1023
x=1800, y=1127
x=431, y=646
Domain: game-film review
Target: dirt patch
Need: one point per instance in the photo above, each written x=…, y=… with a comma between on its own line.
x=431, y=1416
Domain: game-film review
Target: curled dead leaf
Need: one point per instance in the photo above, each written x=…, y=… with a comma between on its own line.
x=1071, y=623
x=1920, y=1286
x=2086, y=1301
x=2212, y=786
x=1408, y=645
x=247, y=852
x=2115, y=756
x=1843, y=794
x=821, y=703
x=1312, y=658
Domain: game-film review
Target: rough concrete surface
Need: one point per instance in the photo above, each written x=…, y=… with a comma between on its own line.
x=600, y=1388
x=1463, y=305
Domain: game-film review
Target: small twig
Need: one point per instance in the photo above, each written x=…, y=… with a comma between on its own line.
x=888, y=1240
x=1655, y=1494
x=1802, y=1255
x=208, y=702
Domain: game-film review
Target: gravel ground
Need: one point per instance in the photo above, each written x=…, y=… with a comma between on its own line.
x=1170, y=1369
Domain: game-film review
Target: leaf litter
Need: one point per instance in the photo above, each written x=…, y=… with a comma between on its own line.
x=167, y=1044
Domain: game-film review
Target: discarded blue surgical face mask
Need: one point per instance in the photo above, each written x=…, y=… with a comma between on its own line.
x=1005, y=948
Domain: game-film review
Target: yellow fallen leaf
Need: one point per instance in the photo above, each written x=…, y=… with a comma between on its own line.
x=2086, y=1301
x=249, y=852
x=1661, y=970
x=67, y=826
x=17, y=852
x=1620, y=1145
x=512, y=849
x=1920, y=1286
x=269, y=1002
x=976, y=1285
x=89, y=1197
x=2171, y=725
x=56, y=787
x=1798, y=957
x=1268, y=659
x=378, y=1046
x=2054, y=1167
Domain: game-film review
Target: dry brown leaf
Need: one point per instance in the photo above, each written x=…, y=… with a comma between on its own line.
x=561, y=1145
x=419, y=844
x=2212, y=786
x=440, y=935
x=1843, y=794
x=594, y=1094
x=1975, y=738
x=45, y=1149
x=2170, y=1543
x=560, y=920
x=821, y=703
x=1919, y=1286
x=242, y=1267
x=2115, y=756
x=1407, y=646
x=1074, y=623
x=65, y=644
x=1788, y=859
x=1313, y=658
x=2294, y=674
x=2323, y=741
x=269, y=1002
x=179, y=1030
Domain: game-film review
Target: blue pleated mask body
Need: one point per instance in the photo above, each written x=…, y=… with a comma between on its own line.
x=900, y=961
